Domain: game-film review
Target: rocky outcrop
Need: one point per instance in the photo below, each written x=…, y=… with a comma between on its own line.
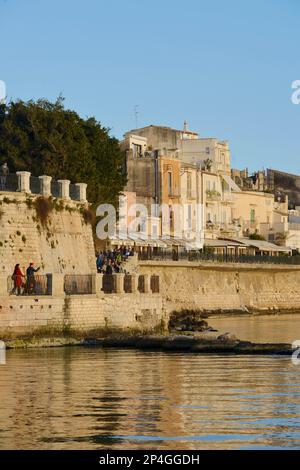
x=188, y=320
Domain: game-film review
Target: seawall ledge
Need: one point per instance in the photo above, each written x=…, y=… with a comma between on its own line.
x=222, y=266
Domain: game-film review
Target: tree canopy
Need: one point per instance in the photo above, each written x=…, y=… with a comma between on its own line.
x=45, y=138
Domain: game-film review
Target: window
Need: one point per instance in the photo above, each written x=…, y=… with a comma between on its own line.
x=137, y=150
x=170, y=183
x=252, y=216
x=189, y=185
x=189, y=216
x=207, y=150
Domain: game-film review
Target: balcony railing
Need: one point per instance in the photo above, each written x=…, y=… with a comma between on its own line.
x=29, y=285
x=227, y=198
x=128, y=284
x=141, y=284
x=221, y=258
x=173, y=193
x=154, y=283
x=78, y=284
x=109, y=284
x=213, y=195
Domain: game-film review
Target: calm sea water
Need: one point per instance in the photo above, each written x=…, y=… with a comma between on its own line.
x=76, y=398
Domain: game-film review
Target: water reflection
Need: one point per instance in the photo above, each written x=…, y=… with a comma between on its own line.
x=94, y=399
x=280, y=328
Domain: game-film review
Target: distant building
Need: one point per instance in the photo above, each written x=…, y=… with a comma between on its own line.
x=257, y=181
x=170, y=166
x=284, y=184
x=277, y=182
x=173, y=167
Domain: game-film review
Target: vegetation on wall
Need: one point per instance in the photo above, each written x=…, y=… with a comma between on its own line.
x=280, y=239
x=256, y=236
x=45, y=138
x=88, y=215
x=43, y=207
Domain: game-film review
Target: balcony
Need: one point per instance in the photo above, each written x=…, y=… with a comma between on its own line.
x=213, y=195
x=227, y=198
x=174, y=193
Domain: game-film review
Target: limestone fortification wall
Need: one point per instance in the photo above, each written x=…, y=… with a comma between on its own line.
x=213, y=287
x=82, y=314
x=63, y=245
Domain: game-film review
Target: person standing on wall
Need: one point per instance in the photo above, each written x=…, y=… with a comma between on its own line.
x=4, y=172
x=17, y=278
x=30, y=271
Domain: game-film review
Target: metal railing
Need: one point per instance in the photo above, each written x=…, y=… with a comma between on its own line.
x=55, y=189
x=141, y=284
x=109, y=283
x=29, y=285
x=35, y=185
x=220, y=258
x=9, y=183
x=128, y=284
x=78, y=284
x=154, y=283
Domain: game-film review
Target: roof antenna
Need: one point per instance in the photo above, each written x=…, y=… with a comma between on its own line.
x=136, y=115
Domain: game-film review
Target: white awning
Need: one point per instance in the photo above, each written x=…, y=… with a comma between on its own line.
x=261, y=245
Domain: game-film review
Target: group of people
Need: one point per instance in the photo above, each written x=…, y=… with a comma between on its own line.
x=24, y=284
x=110, y=262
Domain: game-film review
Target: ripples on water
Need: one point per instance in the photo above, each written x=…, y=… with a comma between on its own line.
x=98, y=399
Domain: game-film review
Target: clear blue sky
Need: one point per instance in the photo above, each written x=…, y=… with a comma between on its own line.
x=225, y=66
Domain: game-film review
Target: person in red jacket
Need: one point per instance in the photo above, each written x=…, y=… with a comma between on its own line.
x=18, y=279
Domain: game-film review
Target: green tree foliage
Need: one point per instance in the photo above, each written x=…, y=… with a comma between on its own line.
x=45, y=138
x=256, y=236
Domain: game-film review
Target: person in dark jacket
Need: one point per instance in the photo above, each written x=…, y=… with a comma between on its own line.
x=30, y=271
x=4, y=172
x=108, y=269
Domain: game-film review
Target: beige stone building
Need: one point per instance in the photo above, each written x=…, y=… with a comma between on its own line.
x=170, y=166
x=173, y=167
x=259, y=212
x=208, y=153
x=154, y=178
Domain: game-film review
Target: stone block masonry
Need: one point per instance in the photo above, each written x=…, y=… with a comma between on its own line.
x=216, y=287
x=63, y=245
x=80, y=314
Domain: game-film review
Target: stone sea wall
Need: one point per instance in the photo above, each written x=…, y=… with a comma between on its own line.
x=216, y=287
x=83, y=314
